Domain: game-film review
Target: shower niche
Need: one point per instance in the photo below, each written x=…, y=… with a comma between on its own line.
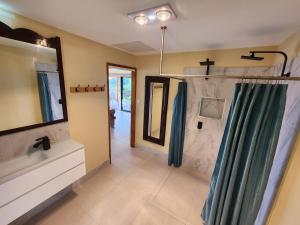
x=212, y=108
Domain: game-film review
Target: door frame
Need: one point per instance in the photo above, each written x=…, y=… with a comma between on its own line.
x=133, y=103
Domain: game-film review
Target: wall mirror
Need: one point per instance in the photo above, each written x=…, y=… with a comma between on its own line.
x=155, y=111
x=32, y=92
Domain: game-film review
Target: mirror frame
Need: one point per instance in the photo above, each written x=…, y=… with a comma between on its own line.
x=166, y=83
x=29, y=36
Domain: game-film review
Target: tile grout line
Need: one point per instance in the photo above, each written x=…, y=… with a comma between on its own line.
x=160, y=186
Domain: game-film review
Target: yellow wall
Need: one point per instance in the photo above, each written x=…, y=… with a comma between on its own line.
x=84, y=63
x=148, y=65
x=286, y=207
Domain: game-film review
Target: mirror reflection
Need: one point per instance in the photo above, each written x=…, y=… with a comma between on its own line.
x=155, y=106
x=30, y=85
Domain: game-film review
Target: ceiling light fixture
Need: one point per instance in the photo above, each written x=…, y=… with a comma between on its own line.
x=141, y=19
x=153, y=15
x=163, y=14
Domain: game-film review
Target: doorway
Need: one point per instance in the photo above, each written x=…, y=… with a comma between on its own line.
x=121, y=92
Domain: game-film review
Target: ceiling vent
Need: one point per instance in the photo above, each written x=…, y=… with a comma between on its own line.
x=134, y=47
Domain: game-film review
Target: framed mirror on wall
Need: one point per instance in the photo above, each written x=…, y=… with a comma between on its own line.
x=155, y=109
x=32, y=92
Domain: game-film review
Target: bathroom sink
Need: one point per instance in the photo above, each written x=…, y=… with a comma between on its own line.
x=21, y=163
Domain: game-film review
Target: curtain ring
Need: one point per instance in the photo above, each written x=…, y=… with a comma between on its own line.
x=250, y=82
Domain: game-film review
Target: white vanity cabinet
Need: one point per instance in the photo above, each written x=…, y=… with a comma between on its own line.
x=23, y=188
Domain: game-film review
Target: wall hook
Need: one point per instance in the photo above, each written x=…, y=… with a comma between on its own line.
x=77, y=88
x=96, y=87
x=80, y=89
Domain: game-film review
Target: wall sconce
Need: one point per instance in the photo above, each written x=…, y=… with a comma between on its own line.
x=42, y=42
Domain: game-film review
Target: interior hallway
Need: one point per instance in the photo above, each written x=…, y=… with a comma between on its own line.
x=138, y=188
x=121, y=132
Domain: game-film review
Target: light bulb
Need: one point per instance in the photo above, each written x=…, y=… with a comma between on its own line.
x=141, y=19
x=163, y=14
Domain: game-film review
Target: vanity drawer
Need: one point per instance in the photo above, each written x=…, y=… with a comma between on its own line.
x=22, y=184
x=28, y=201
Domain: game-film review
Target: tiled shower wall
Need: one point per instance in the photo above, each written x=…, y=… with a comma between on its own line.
x=202, y=145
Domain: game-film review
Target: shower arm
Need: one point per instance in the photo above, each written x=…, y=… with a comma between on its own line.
x=276, y=52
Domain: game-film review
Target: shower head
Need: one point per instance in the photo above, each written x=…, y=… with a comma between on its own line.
x=252, y=57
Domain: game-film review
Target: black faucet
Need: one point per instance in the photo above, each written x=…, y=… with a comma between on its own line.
x=43, y=140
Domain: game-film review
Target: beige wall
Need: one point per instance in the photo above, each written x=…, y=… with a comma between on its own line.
x=286, y=207
x=84, y=63
x=175, y=63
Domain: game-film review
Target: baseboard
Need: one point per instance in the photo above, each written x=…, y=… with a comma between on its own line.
x=90, y=174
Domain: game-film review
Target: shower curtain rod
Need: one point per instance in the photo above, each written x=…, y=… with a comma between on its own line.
x=183, y=76
x=247, y=77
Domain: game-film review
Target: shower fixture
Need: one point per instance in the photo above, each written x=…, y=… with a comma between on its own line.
x=153, y=15
x=207, y=63
x=252, y=56
x=183, y=77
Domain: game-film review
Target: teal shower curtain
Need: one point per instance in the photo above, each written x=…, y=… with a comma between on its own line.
x=178, y=126
x=245, y=155
x=45, y=97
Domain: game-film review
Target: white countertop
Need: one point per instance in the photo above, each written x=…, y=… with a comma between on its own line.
x=25, y=163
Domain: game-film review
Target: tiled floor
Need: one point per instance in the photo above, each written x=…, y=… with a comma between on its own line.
x=139, y=188
x=121, y=132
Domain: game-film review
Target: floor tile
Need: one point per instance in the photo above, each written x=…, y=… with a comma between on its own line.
x=150, y=215
x=138, y=188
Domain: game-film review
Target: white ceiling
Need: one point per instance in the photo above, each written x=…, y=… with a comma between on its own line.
x=201, y=24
